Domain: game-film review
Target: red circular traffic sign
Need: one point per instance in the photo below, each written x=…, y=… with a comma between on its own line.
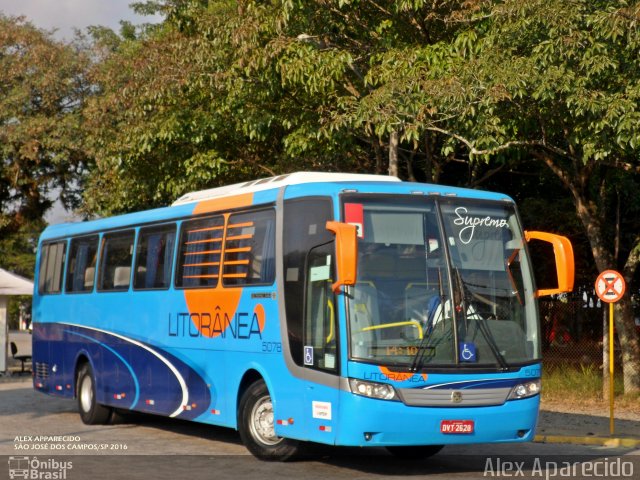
x=610, y=286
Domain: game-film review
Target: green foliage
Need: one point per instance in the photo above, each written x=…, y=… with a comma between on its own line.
x=244, y=89
x=42, y=89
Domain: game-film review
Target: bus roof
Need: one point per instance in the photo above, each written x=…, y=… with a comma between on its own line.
x=184, y=206
x=296, y=178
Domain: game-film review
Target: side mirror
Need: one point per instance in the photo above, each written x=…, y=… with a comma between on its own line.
x=563, y=253
x=346, y=253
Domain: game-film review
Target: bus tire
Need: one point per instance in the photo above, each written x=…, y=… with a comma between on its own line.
x=256, y=426
x=91, y=412
x=415, y=452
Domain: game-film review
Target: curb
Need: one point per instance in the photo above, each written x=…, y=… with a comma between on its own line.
x=600, y=441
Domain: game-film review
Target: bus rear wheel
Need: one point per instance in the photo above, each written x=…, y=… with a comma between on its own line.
x=91, y=412
x=415, y=452
x=256, y=426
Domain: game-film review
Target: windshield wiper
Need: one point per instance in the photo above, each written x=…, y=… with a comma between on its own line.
x=491, y=341
x=422, y=347
x=481, y=322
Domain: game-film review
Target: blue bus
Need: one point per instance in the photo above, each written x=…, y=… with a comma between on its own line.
x=342, y=309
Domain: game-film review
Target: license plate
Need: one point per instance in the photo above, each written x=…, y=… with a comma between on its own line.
x=456, y=426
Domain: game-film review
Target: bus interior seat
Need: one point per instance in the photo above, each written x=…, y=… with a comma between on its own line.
x=89, y=275
x=121, y=277
x=256, y=267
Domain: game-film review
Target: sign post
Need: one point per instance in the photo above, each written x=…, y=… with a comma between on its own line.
x=610, y=287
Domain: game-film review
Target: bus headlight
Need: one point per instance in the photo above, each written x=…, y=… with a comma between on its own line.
x=382, y=391
x=525, y=390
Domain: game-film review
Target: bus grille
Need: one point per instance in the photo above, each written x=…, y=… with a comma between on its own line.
x=419, y=397
x=42, y=370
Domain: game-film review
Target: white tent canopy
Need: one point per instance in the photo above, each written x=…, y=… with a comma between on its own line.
x=10, y=284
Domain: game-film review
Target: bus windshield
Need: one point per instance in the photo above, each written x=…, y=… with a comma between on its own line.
x=441, y=283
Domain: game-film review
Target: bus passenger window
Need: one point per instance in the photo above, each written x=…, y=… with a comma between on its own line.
x=200, y=249
x=154, y=257
x=115, y=261
x=249, y=253
x=81, y=266
x=51, y=267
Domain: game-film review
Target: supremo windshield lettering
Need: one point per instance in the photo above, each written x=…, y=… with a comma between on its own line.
x=435, y=272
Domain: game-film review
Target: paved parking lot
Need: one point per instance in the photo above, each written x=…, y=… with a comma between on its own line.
x=35, y=425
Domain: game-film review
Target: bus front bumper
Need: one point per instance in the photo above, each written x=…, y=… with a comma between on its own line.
x=378, y=423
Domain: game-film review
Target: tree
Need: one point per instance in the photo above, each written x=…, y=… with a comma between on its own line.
x=42, y=88
x=225, y=90
x=558, y=81
x=195, y=103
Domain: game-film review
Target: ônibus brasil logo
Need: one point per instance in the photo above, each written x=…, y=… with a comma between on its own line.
x=33, y=468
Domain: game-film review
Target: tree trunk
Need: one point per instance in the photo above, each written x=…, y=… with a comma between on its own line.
x=410, y=172
x=379, y=156
x=605, y=352
x=628, y=337
x=624, y=322
x=393, y=154
x=428, y=169
x=590, y=215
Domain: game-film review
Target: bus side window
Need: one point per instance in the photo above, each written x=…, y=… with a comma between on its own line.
x=115, y=261
x=249, y=252
x=154, y=257
x=51, y=267
x=320, y=331
x=200, y=253
x=81, y=266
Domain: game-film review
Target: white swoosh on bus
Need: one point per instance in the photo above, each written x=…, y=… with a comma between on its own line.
x=174, y=370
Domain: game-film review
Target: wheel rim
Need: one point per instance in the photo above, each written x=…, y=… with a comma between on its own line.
x=86, y=393
x=261, y=422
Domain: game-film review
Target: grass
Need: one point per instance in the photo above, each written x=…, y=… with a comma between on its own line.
x=582, y=387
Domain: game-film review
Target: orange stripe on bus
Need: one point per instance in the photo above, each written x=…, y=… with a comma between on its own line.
x=225, y=203
x=237, y=262
x=399, y=376
x=236, y=250
x=194, y=242
x=203, y=252
x=234, y=275
x=239, y=237
x=205, y=264
x=241, y=225
x=228, y=299
x=207, y=229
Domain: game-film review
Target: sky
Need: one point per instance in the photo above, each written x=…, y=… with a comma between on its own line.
x=64, y=16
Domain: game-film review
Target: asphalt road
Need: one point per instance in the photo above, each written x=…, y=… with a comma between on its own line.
x=49, y=432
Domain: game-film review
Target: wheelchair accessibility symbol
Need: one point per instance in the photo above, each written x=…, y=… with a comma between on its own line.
x=467, y=352
x=308, y=355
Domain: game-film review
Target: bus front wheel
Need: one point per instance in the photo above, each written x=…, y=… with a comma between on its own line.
x=256, y=426
x=91, y=412
x=415, y=452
